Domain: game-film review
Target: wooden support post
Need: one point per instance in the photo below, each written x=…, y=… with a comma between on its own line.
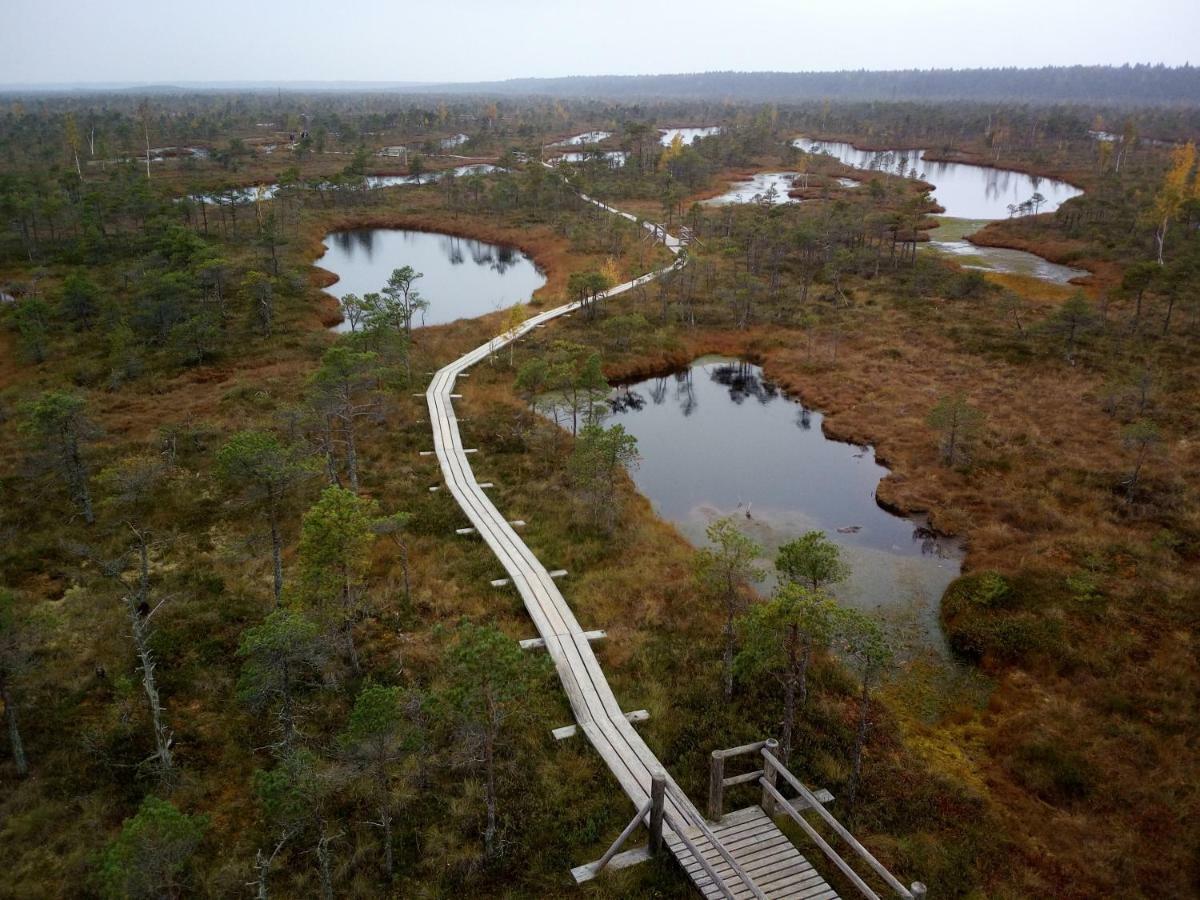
x=770, y=773
x=716, y=786
x=658, y=796
x=918, y=890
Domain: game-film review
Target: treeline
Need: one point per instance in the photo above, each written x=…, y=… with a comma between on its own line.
x=1142, y=84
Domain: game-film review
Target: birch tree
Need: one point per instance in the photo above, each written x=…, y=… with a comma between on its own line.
x=1173, y=192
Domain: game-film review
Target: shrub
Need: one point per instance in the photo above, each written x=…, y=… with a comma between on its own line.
x=982, y=619
x=1055, y=773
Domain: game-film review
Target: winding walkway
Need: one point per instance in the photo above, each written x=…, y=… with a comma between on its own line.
x=714, y=864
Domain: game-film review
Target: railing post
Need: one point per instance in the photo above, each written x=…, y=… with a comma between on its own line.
x=918, y=890
x=769, y=775
x=658, y=795
x=716, y=786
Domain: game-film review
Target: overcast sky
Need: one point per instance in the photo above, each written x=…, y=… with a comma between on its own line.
x=471, y=40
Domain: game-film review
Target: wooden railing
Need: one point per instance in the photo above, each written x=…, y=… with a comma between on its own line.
x=772, y=767
x=655, y=815
x=767, y=778
x=717, y=782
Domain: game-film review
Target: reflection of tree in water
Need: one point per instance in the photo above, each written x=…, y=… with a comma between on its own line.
x=626, y=400
x=744, y=380
x=931, y=544
x=685, y=392
x=356, y=239
x=505, y=259
x=497, y=258
x=452, y=247
x=658, y=391
x=804, y=417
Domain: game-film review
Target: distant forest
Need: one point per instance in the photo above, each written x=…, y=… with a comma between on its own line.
x=1140, y=85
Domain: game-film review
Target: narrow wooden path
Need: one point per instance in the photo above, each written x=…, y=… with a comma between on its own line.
x=713, y=867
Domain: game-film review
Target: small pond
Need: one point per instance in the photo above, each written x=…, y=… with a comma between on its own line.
x=970, y=194
x=614, y=158
x=964, y=191
x=588, y=137
x=950, y=238
x=717, y=439
x=764, y=185
x=688, y=134
x=463, y=278
x=257, y=192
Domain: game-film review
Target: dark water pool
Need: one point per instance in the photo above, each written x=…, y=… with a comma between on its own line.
x=463, y=278
x=718, y=439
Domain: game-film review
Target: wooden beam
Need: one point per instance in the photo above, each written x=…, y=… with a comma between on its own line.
x=658, y=797
x=464, y=530
x=587, y=871
x=567, y=731
x=540, y=643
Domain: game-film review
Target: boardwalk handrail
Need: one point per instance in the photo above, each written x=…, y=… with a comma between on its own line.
x=718, y=782
x=917, y=891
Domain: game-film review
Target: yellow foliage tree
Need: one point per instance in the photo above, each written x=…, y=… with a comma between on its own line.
x=514, y=318
x=1177, y=187
x=611, y=271
x=674, y=151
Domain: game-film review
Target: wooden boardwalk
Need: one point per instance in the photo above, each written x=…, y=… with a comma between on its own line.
x=720, y=871
x=765, y=853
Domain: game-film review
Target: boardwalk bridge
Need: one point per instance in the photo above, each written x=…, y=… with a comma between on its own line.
x=742, y=854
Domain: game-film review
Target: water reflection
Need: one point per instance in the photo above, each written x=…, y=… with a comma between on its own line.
x=688, y=135
x=578, y=140
x=256, y=192
x=614, y=158
x=462, y=277
x=963, y=190
x=718, y=438
x=764, y=187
